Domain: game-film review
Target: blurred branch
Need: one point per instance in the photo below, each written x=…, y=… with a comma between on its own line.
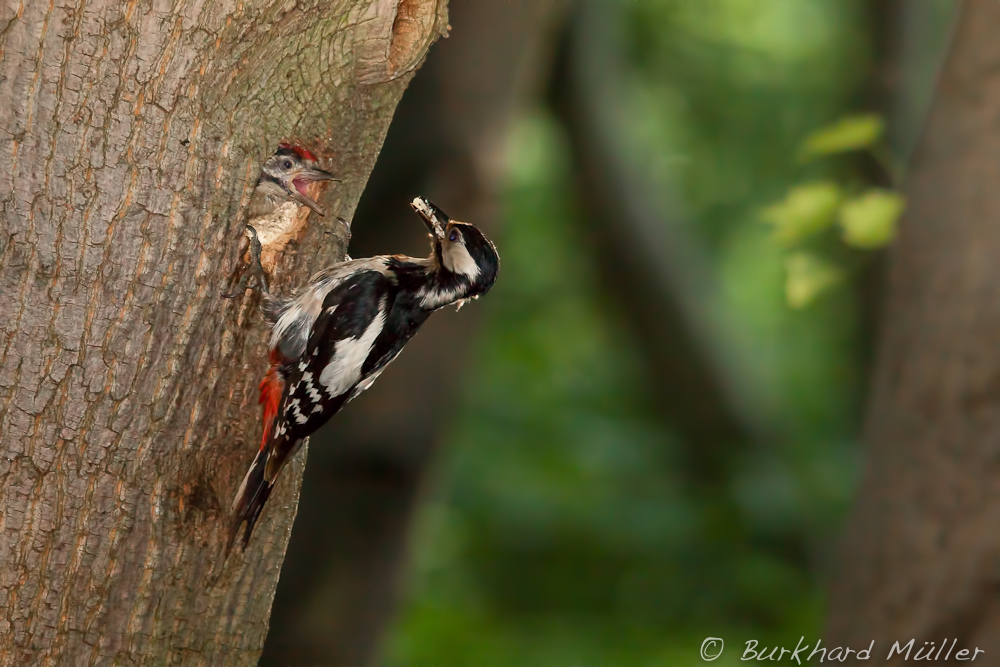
x=656, y=273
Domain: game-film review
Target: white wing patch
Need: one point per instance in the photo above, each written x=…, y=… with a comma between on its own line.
x=349, y=355
x=297, y=321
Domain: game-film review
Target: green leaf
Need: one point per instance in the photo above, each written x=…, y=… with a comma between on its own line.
x=847, y=134
x=808, y=277
x=869, y=221
x=806, y=210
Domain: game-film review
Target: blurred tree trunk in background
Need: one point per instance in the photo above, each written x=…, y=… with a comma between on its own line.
x=346, y=561
x=918, y=34
x=920, y=553
x=909, y=38
x=655, y=274
x=131, y=135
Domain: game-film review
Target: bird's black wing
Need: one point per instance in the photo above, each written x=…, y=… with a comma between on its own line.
x=351, y=321
x=403, y=318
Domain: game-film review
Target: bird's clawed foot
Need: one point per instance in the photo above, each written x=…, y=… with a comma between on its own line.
x=252, y=243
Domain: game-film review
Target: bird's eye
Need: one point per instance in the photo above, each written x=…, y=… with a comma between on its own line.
x=287, y=164
x=453, y=236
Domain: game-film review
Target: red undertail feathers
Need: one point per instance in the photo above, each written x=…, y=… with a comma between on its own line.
x=272, y=387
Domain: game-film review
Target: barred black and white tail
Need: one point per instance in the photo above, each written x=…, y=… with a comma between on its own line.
x=250, y=499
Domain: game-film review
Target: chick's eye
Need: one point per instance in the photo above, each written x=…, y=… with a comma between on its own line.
x=287, y=164
x=453, y=236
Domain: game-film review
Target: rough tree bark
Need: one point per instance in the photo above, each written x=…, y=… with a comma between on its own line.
x=130, y=138
x=920, y=554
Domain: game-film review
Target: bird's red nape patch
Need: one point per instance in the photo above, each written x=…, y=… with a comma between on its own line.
x=271, y=389
x=301, y=151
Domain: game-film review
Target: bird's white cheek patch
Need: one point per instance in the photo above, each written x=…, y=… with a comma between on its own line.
x=458, y=260
x=344, y=369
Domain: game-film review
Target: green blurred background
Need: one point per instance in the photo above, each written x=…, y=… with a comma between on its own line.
x=567, y=522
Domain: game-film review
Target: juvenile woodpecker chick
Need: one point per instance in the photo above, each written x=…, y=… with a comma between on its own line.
x=278, y=209
x=286, y=176
x=331, y=341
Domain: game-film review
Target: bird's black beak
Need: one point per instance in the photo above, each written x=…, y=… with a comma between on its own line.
x=301, y=182
x=435, y=219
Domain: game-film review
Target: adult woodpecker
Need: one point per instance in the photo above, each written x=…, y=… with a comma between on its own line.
x=332, y=340
x=282, y=189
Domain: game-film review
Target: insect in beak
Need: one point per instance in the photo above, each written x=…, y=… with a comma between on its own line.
x=433, y=217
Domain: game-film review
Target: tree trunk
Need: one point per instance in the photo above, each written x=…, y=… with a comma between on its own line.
x=919, y=557
x=131, y=135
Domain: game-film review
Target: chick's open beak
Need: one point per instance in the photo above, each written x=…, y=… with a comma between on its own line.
x=300, y=185
x=433, y=217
